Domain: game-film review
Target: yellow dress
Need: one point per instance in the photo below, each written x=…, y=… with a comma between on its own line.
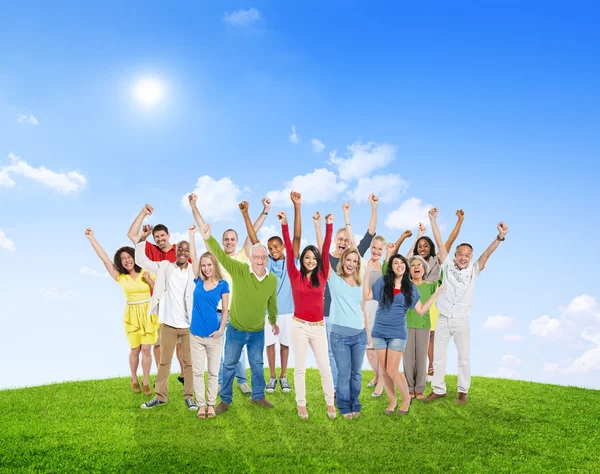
x=140, y=327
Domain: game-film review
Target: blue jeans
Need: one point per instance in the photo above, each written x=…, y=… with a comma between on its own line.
x=236, y=340
x=349, y=353
x=334, y=370
x=240, y=367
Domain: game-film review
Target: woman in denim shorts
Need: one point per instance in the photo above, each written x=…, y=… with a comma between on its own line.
x=395, y=294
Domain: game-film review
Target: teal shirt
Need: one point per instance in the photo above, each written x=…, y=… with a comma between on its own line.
x=346, y=310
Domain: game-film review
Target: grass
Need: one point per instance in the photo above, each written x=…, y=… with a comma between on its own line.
x=97, y=426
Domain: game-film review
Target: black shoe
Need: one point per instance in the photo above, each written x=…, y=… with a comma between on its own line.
x=152, y=403
x=402, y=412
x=191, y=404
x=180, y=378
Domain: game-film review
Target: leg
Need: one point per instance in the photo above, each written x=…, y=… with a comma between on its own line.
x=300, y=347
x=134, y=361
x=168, y=337
x=317, y=339
x=188, y=371
x=284, y=322
x=410, y=359
x=156, y=356
x=198, y=351
x=388, y=383
x=146, y=362
x=340, y=346
x=180, y=359
x=374, y=363
x=234, y=344
x=334, y=372
x=271, y=359
x=440, y=355
x=240, y=368
x=393, y=364
x=213, y=353
x=430, y=352
x=284, y=354
x=462, y=340
x=357, y=355
x=256, y=347
x=422, y=343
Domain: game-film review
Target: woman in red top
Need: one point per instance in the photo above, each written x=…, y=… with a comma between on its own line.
x=308, y=325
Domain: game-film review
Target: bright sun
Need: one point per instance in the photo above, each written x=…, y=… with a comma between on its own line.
x=148, y=91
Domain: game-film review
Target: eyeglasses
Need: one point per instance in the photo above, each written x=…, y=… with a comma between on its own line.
x=416, y=265
x=259, y=257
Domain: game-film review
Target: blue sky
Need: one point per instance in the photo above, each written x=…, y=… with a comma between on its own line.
x=487, y=106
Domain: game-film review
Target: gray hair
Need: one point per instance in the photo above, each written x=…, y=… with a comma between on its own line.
x=420, y=259
x=257, y=245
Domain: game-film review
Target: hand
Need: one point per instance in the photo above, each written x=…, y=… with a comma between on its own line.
x=192, y=230
x=369, y=267
x=282, y=216
x=346, y=208
x=317, y=218
x=390, y=247
x=266, y=202
x=193, y=198
x=89, y=233
x=502, y=229
x=433, y=213
x=275, y=329
x=374, y=200
x=406, y=234
x=147, y=210
x=329, y=219
x=217, y=334
x=296, y=198
x=205, y=231
x=422, y=230
x=440, y=290
x=147, y=276
x=243, y=207
x=146, y=231
x=460, y=214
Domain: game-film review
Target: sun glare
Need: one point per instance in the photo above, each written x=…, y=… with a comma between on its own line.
x=148, y=91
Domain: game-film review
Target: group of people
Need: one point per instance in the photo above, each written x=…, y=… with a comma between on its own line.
x=325, y=296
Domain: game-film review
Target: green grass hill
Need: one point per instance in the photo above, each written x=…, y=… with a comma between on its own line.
x=97, y=426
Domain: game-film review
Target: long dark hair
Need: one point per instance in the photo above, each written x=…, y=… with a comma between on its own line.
x=314, y=276
x=119, y=265
x=431, y=247
x=389, y=282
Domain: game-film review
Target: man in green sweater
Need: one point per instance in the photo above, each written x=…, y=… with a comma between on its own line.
x=255, y=294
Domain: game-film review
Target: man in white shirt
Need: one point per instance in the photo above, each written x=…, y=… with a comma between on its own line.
x=455, y=306
x=172, y=298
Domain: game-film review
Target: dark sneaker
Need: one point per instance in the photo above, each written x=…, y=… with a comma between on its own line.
x=181, y=379
x=245, y=388
x=191, y=404
x=152, y=403
x=285, y=385
x=271, y=385
x=221, y=408
x=263, y=402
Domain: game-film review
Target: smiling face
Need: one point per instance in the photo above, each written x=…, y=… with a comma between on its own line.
x=417, y=270
x=230, y=240
x=398, y=267
x=350, y=263
x=424, y=249
x=341, y=241
x=183, y=252
x=276, y=248
x=127, y=261
x=207, y=268
x=259, y=260
x=377, y=248
x=161, y=238
x=463, y=256
x=309, y=261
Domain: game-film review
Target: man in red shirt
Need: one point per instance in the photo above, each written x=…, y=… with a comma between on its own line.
x=162, y=250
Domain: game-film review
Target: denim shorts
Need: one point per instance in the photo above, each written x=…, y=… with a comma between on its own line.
x=397, y=345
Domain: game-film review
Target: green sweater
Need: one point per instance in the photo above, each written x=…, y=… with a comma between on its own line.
x=251, y=298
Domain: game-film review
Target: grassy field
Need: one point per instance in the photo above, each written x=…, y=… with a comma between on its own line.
x=97, y=426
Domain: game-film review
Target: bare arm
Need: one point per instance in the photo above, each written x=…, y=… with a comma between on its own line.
x=257, y=225
x=193, y=200
x=108, y=264
x=318, y=230
x=454, y=234
x=442, y=252
x=502, y=230
x=405, y=235
x=420, y=233
x=297, y=200
x=347, y=226
x=225, y=297
x=421, y=308
x=374, y=200
x=193, y=253
x=367, y=289
x=134, y=230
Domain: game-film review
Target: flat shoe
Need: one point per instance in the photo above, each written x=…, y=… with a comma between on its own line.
x=147, y=390
x=303, y=416
x=347, y=416
x=390, y=412
x=355, y=414
x=376, y=395
x=405, y=412
x=371, y=384
x=135, y=387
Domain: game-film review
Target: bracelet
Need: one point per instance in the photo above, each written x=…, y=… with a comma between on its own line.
x=500, y=239
x=348, y=223
x=265, y=213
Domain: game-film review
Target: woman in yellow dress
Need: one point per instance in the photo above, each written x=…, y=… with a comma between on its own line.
x=141, y=329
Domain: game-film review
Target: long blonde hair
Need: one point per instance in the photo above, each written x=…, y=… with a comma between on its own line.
x=217, y=276
x=344, y=256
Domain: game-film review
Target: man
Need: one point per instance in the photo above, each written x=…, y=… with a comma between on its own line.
x=285, y=301
x=162, y=250
x=172, y=298
x=455, y=306
x=255, y=294
x=230, y=242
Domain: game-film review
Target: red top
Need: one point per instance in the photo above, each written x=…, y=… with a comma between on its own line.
x=396, y=291
x=157, y=255
x=308, y=301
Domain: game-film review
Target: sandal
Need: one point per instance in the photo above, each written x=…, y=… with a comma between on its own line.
x=331, y=414
x=376, y=395
x=372, y=384
x=347, y=416
x=201, y=412
x=211, y=412
x=419, y=396
x=355, y=414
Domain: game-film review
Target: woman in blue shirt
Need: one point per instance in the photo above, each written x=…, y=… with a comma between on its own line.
x=207, y=325
x=395, y=294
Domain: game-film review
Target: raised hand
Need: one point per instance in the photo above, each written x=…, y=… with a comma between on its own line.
x=346, y=208
x=282, y=216
x=243, y=207
x=502, y=229
x=89, y=233
x=146, y=231
x=317, y=217
x=422, y=230
x=374, y=200
x=369, y=267
x=433, y=213
x=266, y=202
x=406, y=234
x=147, y=210
x=191, y=230
x=193, y=199
x=390, y=247
x=460, y=214
x=296, y=198
x=329, y=219
x=205, y=232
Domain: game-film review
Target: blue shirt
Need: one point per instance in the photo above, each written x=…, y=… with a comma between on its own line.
x=346, y=302
x=205, y=318
x=285, y=300
x=390, y=323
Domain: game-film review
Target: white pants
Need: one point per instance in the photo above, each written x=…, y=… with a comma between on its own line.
x=304, y=335
x=459, y=330
x=284, y=322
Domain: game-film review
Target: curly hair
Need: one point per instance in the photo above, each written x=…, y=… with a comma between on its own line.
x=117, y=260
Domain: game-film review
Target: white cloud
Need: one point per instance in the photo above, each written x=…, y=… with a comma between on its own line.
x=268, y=231
x=68, y=182
x=318, y=145
x=499, y=323
x=408, y=215
x=29, y=120
x=513, y=338
x=506, y=373
x=68, y=295
x=319, y=186
x=242, y=17
x=177, y=237
x=217, y=200
x=93, y=273
x=294, y=136
x=510, y=359
x=545, y=326
x=587, y=362
x=362, y=160
x=387, y=187
x=6, y=243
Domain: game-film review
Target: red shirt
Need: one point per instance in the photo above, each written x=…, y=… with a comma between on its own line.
x=157, y=255
x=308, y=301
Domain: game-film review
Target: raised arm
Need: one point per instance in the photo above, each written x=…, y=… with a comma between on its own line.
x=347, y=225
x=266, y=202
x=396, y=246
x=142, y=260
x=318, y=231
x=249, y=228
x=442, y=252
x=460, y=214
x=134, y=230
x=232, y=266
x=367, y=289
x=502, y=231
x=374, y=201
x=325, y=262
x=285, y=232
x=108, y=264
x=297, y=201
x=193, y=200
x=420, y=233
x=193, y=253
x=421, y=308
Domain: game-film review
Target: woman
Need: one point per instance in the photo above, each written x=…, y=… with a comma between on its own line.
x=348, y=331
x=141, y=329
x=308, y=325
x=415, y=353
x=425, y=247
x=396, y=294
x=207, y=326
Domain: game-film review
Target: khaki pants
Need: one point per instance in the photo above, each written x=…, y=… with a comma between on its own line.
x=206, y=349
x=415, y=359
x=304, y=335
x=169, y=336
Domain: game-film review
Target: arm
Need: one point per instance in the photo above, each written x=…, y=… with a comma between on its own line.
x=252, y=237
x=148, y=278
x=347, y=226
x=421, y=308
x=257, y=224
x=405, y=235
x=420, y=234
x=193, y=199
x=373, y=221
x=297, y=200
x=442, y=252
x=367, y=289
x=318, y=232
x=325, y=262
x=110, y=267
x=285, y=232
x=272, y=310
x=193, y=253
x=502, y=230
x=232, y=266
x=134, y=230
x=224, y=315
x=142, y=260
x=454, y=234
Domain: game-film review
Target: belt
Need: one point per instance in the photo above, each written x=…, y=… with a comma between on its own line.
x=310, y=323
x=139, y=302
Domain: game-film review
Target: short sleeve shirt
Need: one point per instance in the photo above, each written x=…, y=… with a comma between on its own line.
x=205, y=318
x=457, y=300
x=390, y=322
